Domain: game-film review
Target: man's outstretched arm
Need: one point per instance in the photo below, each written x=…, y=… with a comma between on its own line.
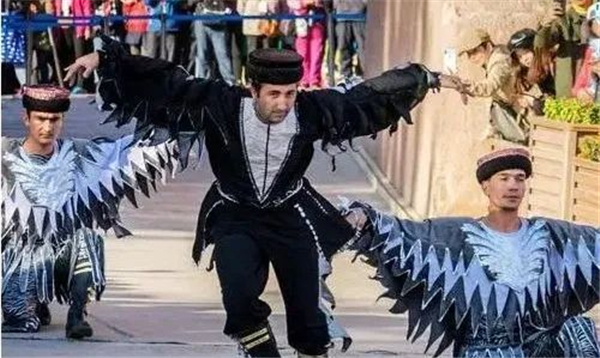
x=343, y=113
x=166, y=101
x=135, y=77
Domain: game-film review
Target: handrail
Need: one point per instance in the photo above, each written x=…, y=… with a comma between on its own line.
x=43, y=21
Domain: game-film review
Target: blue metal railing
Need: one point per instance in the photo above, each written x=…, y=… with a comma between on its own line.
x=44, y=22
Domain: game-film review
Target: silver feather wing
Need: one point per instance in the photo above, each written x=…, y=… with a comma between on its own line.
x=51, y=184
x=449, y=279
x=45, y=204
x=81, y=185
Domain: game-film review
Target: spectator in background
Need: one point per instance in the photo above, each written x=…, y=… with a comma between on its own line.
x=135, y=29
x=151, y=39
x=350, y=35
x=499, y=84
x=534, y=70
x=13, y=50
x=115, y=29
x=82, y=33
x=65, y=34
x=254, y=29
x=42, y=61
x=287, y=28
x=74, y=40
x=534, y=73
x=238, y=44
x=213, y=38
x=310, y=39
x=173, y=28
x=587, y=86
x=562, y=29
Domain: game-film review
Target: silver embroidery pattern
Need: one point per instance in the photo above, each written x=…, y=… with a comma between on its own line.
x=403, y=250
x=51, y=184
x=76, y=181
x=326, y=298
x=254, y=139
x=513, y=263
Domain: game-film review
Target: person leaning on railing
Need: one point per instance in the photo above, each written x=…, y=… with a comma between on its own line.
x=310, y=39
x=213, y=38
x=350, y=32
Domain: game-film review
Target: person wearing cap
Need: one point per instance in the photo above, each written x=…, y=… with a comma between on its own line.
x=496, y=286
x=261, y=209
x=534, y=80
x=55, y=193
x=534, y=69
x=498, y=84
x=479, y=48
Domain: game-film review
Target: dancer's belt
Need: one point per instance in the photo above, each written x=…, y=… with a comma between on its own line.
x=268, y=202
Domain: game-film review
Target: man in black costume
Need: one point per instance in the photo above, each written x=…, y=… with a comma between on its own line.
x=260, y=209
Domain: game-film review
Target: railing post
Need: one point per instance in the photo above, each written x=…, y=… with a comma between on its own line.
x=29, y=59
x=57, y=66
x=331, y=51
x=106, y=24
x=163, y=31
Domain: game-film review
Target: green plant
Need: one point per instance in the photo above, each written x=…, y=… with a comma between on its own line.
x=572, y=110
x=589, y=147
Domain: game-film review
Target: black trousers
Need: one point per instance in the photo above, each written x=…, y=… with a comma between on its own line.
x=245, y=242
x=347, y=34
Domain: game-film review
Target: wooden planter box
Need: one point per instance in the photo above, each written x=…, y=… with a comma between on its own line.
x=585, y=192
x=553, y=147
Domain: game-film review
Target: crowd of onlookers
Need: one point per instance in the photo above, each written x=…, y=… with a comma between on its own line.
x=216, y=46
x=561, y=58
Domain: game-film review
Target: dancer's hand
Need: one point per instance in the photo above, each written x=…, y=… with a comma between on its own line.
x=84, y=65
x=356, y=218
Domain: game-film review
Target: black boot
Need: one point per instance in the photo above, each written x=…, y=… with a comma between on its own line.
x=77, y=327
x=259, y=342
x=43, y=312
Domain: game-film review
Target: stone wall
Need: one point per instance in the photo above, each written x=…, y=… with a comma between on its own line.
x=431, y=164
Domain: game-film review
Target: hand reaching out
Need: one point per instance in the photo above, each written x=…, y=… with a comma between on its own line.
x=455, y=83
x=84, y=65
x=356, y=218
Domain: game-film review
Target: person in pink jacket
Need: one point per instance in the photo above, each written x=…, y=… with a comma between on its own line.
x=310, y=39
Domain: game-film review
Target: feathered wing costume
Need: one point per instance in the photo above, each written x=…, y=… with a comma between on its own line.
x=520, y=298
x=52, y=207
